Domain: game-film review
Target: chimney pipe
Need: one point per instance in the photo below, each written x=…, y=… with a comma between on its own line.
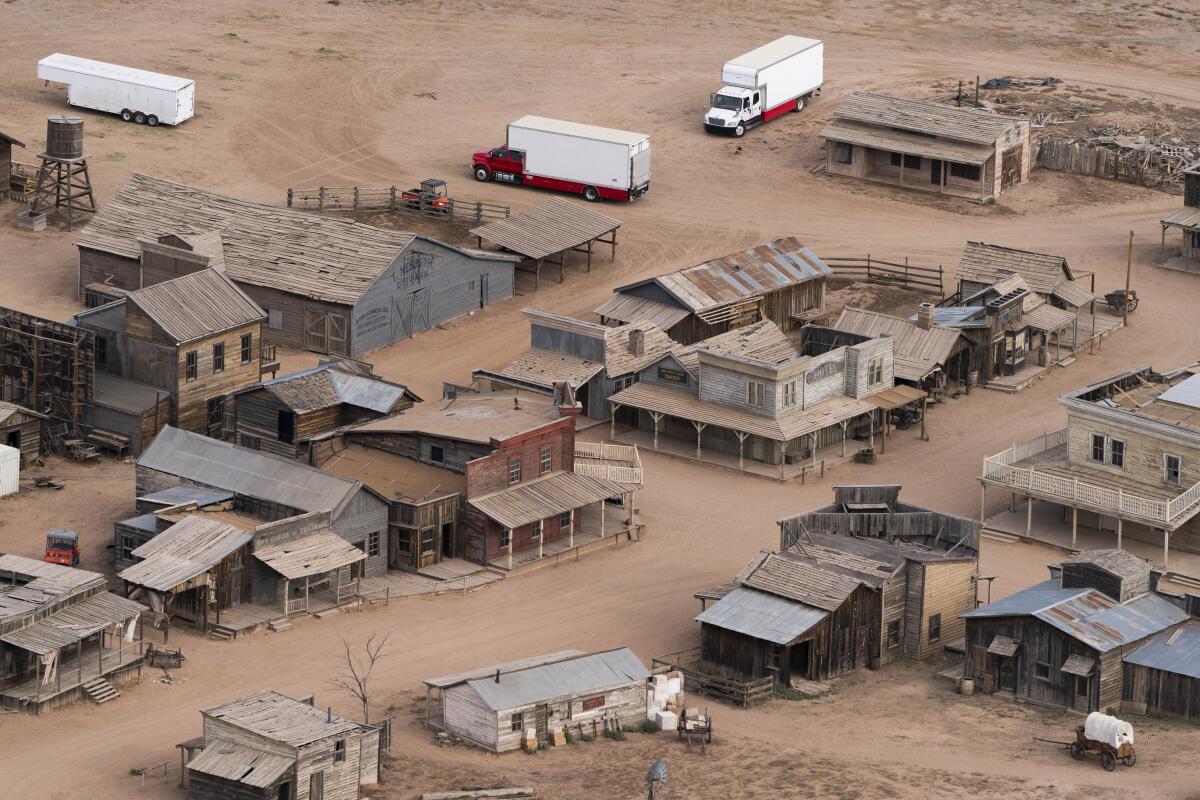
x=497, y=675
x=329, y=714
x=925, y=316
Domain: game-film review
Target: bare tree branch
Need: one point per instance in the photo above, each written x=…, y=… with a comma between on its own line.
x=354, y=675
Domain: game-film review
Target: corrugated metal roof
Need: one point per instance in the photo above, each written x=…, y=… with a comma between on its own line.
x=1027, y=601
x=762, y=615
x=196, y=305
x=122, y=394
x=547, y=228
x=590, y=673
x=627, y=308
x=235, y=762
x=327, y=386
x=579, y=129
x=223, y=465
x=183, y=552
x=177, y=495
x=985, y=263
x=1184, y=393
x=1176, y=650
x=925, y=116
x=958, y=317
x=446, y=681
x=1131, y=621
x=312, y=554
x=544, y=497
x=282, y=719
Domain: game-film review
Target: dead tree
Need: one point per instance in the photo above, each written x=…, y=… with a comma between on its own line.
x=354, y=676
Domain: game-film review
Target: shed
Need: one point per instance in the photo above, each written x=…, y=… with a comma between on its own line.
x=23, y=430
x=6, y=169
x=327, y=285
x=1163, y=675
x=566, y=690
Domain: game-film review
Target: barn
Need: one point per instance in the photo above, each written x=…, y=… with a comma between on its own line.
x=328, y=285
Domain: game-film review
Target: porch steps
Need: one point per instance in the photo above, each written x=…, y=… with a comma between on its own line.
x=100, y=690
x=280, y=625
x=329, y=612
x=222, y=633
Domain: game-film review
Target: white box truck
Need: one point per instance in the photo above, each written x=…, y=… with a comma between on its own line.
x=765, y=83
x=138, y=96
x=598, y=163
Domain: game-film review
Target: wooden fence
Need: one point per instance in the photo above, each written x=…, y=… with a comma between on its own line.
x=389, y=198
x=893, y=273
x=1155, y=167
x=701, y=680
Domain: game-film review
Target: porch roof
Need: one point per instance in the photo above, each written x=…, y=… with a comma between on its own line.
x=1048, y=318
x=74, y=623
x=545, y=497
x=311, y=554
x=184, y=551
x=895, y=397
x=235, y=762
x=902, y=142
x=762, y=615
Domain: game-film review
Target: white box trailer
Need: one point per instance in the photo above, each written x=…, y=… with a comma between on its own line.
x=765, y=83
x=137, y=95
x=599, y=163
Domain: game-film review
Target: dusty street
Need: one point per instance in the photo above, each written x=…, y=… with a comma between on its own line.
x=304, y=93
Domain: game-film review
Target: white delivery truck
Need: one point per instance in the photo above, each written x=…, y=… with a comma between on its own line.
x=765, y=83
x=138, y=96
x=598, y=163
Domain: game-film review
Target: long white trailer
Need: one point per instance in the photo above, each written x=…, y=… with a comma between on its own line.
x=137, y=95
x=765, y=83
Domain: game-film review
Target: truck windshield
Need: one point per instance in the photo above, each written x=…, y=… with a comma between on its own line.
x=726, y=102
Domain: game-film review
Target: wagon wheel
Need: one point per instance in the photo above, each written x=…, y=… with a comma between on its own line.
x=1076, y=751
x=1108, y=761
x=1132, y=304
x=1130, y=759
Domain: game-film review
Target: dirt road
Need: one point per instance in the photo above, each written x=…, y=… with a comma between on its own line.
x=378, y=93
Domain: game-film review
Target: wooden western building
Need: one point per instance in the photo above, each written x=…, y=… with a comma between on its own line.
x=6, y=163
x=1063, y=642
x=1187, y=221
x=982, y=265
x=23, y=430
x=62, y=635
x=513, y=492
x=268, y=746
x=197, y=337
x=928, y=356
x=859, y=583
x=782, y=281
x=920, y=144
x=1127, y=463
x=596, y=360
x=327, y=285
x=284, y=415
x=493, y=707
x=1162, y=677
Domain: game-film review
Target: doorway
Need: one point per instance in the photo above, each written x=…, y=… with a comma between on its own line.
x=798, y=660
x=483, y=289
x=325, y=333
x=935, y=171
x=216, y=417
x=448, y=539
x=1081, y=699
x=1006, y=674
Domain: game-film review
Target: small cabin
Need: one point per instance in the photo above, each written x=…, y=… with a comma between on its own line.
x=22, y=429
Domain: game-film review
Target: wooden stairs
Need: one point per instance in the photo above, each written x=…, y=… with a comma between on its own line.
x=279, y=625
x=223, y=633
x=100, y=690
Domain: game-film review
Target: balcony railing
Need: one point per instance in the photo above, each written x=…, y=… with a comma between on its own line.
x=1000, y=469
x=613, y=462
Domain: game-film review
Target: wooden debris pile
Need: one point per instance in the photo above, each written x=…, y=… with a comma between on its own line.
x=1155, y=155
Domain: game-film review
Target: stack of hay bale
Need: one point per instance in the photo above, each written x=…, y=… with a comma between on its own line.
x=665, y=699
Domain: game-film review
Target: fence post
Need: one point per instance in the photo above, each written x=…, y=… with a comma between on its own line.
x=391, y=198
x=868, y=266
x=321, y=198
x=906, y=272
x=478, y=212
x=356, y=198
x=289, y=198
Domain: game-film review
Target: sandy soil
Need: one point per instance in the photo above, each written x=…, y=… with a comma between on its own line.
x=306, y=93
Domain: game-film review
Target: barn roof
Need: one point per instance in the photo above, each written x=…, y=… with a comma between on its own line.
x=327, y=259
x=970, y=125
x=987, y=263
x=572, y=676
x=223, y=465
x=280, y=718
x=327, y=386
x=196, y=305
x=1175, y=651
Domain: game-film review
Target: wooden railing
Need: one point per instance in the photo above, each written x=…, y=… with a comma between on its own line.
x=295, y=606
x=1000, y=468
x=624, y=464
x=389, y=198
x=874, y=270
x=347, y=592
x=702, y=680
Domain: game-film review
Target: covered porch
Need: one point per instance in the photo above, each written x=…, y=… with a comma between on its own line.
x=317, y=569
x=593, y=527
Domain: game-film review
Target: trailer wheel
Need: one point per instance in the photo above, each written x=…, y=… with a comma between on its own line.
x=591, y=194
x=740, y=130
x=1108, y=761
x=152, y=121
x=483, y=174
x=1076, y=751
x=126, y=115
x=1129, y=760
x=139, y=118
x=799, y=104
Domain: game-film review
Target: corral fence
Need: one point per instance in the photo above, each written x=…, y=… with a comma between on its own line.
x=1158, y=167
x=389, y=198
x=702, y=678
x=892, y=273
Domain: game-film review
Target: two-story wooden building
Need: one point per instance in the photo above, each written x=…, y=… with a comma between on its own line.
x=197, y=337
x=268, y=746
x=920, y=144
x=1127, y=462
x=782, y=281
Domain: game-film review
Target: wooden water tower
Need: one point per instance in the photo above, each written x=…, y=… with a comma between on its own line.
x=63, y=180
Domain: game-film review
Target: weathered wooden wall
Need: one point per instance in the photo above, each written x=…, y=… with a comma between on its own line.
x=25, y=434
x=1044, y=644
x=949, y=590
x=1168, y=694
x=99, y=267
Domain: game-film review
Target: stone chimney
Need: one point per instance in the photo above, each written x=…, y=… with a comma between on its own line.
x=637, y=342
x=925, y=316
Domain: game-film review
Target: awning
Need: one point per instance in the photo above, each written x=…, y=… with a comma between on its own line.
x=1003, y=646
x=629, y=308
x=74, y=623
x=1186, y=217
x=1048, y=318
x=312, y=554
x=913, y=368
x=762, y=615
x=1079, y=665
x=896, y=141
x=241, y=764
x=179, y=557
x=895, y=397
x=1072, y=294
x=545, y=497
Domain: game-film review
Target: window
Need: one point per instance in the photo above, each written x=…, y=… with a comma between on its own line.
x=1097, y=449
x=251, y=442
x=626, y=382
x=101, y=350
x=372, y=548
x=789, y=394
x=754, y=99
x=514, y=470
x=1116, y=453
x=189, y=366
x=875, y=372
x=1041, y=671
x=970, y=172
x=535, y=530
x=564, y=520
x=910, y=162
x=1172, y=466
x=247, y=341
x=893, y=638
x=285, y=424
x=437, y=454
x=316, y=786
x=842, y=153
x=935, y=627
x=505, y=538
x=545, y=460
x=274, y=319
x=754, y=393
x=404, y=543
x=518, y=721
x=128, y=545
x=339, y=751
x=218, y=357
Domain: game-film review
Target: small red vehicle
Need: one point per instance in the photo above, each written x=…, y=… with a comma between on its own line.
x=62, y=547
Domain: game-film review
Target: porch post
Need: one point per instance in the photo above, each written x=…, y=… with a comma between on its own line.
x=741, y=437
x=571, y=532
x=1028, y=514
x=814, y=449
x=306, y=594
x=1120, y=524
x=871, y=440
x=78, y=661
x=58, y=675
x=287, y=587
x=887, y=421
x=657, y=417
x=612, y=425
x=1074, y=524
x=510, y=546
x=37, y=677
x=632, y=497
x=924, y=411
x=982, y=501
x=699, y=426
x=541, y=539
x=844, y=424
x=602, y=504
x=100, y=653
x=1166, y=546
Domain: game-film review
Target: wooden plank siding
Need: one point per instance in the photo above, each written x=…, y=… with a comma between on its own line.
x=192, y=396
x=25, y=435
x=1168, y=694
x=894, y=603
x=948, y=590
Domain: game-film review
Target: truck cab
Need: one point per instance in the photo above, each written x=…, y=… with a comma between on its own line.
x=62, y=547
x=733, y=110
x=499, y=164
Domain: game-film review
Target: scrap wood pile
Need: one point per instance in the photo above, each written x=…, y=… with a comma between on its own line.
x=510, y=793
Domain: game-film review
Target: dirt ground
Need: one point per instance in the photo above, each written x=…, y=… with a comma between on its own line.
x=307, y=92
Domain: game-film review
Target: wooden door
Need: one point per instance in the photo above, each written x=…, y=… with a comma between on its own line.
x=421, y=310
x=541, y=717
x=860, y=647
x=337, y=337
x=935, y=171
x=237, y=574
x=1011, y=166
x=483, y=289
x=325, y=332
x=427, y=543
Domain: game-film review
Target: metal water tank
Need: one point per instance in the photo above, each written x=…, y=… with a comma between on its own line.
x=64, y=137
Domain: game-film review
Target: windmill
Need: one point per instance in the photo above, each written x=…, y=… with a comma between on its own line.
x=656, y=779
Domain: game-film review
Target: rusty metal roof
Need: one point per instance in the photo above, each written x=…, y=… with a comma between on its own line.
x=1171, y=651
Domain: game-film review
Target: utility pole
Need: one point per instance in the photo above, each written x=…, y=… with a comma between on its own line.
x=1128, y=275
